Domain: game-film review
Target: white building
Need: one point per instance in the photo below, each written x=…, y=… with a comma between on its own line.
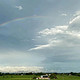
x=43, y=77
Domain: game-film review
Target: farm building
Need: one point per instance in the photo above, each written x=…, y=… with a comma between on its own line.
x=43, y=77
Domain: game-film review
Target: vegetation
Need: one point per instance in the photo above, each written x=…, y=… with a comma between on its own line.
x=33, y=76
x=53, y=76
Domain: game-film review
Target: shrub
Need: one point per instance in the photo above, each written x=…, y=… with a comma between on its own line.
x=53, y=76
x=34, y=77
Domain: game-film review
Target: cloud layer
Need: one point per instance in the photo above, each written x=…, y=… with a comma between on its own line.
x=62, y=42
x=20, y=69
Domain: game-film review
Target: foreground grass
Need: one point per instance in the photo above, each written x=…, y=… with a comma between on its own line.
x=65, y=77
x=29, y=77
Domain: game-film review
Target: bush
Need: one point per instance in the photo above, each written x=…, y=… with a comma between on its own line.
x=34, y=77
x=53, y=76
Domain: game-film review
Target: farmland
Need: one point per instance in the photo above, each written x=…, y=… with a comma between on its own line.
x=30, y=77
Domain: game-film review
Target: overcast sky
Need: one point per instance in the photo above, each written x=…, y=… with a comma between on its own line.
x=40, y=35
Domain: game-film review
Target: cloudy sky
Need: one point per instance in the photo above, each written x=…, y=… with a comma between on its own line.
x=40, y=35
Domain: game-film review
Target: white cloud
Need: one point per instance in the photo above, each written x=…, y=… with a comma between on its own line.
x=11, y=69
x=74, y=20
x=73, y=33
x=64, y=14
x=56, y=36
x=62, y=27
x=77, y=13
x=54, y=31
x=50, y=44
x=19, y=7
x=75, y=25
x=40, y=47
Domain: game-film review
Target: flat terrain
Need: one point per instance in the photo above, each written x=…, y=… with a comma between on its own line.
x=29, y=77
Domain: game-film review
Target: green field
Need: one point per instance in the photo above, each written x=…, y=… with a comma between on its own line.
x=29, y=77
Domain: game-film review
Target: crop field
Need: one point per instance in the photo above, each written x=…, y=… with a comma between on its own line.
x=30, y=77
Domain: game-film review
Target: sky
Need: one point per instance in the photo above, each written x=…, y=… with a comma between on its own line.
x=39, y=35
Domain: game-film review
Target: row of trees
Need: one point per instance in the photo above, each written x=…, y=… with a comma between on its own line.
x=41, y=73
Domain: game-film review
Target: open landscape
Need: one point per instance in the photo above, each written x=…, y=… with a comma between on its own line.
x=39, y=39
x=31, y=76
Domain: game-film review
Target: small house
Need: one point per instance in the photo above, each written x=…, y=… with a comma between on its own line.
x=43, y=77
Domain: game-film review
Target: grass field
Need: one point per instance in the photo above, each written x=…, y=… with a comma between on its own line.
x=29, y=77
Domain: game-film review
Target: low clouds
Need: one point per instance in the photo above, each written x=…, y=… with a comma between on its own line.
x=16, y=69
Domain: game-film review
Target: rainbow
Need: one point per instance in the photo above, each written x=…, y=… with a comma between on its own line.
x=22, y=18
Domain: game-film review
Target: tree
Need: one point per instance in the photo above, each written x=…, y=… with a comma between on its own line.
x=53, y=76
